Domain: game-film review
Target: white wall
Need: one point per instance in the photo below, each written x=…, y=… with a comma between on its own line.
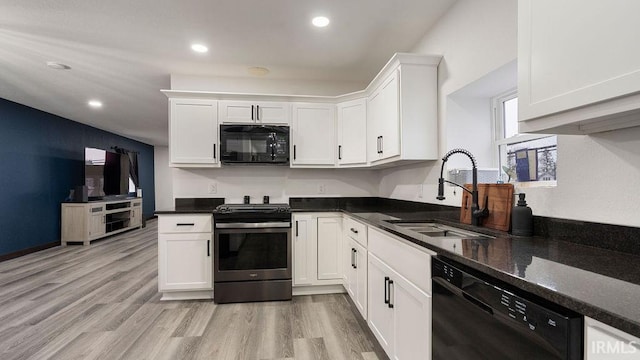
x=280, y=183
x=264, y=85
x=163, y=178
x=596, y=174
x=475, y=38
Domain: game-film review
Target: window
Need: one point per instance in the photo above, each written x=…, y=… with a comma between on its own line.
x=527, y=159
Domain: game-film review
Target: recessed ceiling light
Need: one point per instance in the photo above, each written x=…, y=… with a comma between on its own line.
x=58, y=66
x=96, y=104
x=199, y=48
x=320, y=21
x=258, y=70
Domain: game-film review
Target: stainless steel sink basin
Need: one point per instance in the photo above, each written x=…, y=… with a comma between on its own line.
x=436, y=230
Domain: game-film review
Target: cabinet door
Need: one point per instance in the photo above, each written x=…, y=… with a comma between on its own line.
x=276, y=113
x=136, y=217
x=565, y=62
x=348, y=270
x=389, y=117
x=412, y=320
x=360, y=281
x=352, y=132
x=185, y=262
x=193, y=136
x=603, y=342
x=253, y=112
x=305, y=255
x=380, y=319
x=97, y=226
x=329, y=247
x=313, y=134
x=237, y=112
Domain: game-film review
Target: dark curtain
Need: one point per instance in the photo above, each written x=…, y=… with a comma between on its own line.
x=133, y=164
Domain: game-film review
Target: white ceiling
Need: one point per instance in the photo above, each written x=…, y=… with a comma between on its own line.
x=122, y=52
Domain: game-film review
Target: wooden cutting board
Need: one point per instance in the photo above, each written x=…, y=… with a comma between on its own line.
x=500, y=197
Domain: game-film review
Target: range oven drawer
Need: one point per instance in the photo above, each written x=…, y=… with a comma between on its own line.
x=187, y=223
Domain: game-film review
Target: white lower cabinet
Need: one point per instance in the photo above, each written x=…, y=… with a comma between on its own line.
x=317, y=241
x=603, y=342
x=355, y=274
x=185, y=256
x=329, y=246
x=399, y=287
x=304, y=252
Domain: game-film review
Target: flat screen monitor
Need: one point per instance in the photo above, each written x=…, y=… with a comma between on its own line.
x=107, y=174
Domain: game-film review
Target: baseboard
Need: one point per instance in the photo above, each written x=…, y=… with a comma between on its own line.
x=318, y=290
x=24, y=252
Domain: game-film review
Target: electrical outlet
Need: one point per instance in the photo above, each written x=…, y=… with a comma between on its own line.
x=322, y=189
x=213, y=188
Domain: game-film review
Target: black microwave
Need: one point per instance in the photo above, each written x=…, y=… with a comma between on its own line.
x=254, y=144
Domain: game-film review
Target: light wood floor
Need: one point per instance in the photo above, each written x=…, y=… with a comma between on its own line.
x=101, y=302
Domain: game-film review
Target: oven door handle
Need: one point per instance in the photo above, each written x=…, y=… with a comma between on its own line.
x=458, y=292
x=265, y=225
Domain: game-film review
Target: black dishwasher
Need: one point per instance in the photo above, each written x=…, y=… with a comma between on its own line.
x=476, y=319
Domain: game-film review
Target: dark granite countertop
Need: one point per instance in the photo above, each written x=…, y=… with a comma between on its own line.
x=192, y=206
x=561, y=266
x=596, y=282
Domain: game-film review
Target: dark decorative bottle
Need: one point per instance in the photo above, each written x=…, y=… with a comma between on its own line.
x=522, y=218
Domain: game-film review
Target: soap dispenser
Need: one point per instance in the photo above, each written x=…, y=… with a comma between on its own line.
x=522, y=218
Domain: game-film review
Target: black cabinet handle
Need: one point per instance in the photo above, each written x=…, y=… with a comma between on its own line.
x=339, y=152
x=352, y=260
x=185, y=224
x=354, y=230
x=296, y=228
x=294, y=152
x=390, y=303
x=208, y=248
x=386, y=290
x=355, y=258
x=251, y=112
x=214, y=151
x=381, y=144
x=258, y=112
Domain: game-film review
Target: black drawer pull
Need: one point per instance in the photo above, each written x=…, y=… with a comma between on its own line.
x=185, y=224
x=354, y=230
x=390, y=303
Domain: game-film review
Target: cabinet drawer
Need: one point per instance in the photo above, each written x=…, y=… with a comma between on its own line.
x=412, y=263
x=357, y=231
x=188, y=223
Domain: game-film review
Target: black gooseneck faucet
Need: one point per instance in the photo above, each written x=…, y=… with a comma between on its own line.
x=476, y=213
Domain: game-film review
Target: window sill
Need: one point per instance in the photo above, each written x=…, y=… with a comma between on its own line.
x=535, y=184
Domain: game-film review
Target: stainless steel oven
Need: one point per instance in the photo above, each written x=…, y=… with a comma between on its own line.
x=252, y=253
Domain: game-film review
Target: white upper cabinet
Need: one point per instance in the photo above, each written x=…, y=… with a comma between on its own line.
x=254, y=112
x=402, y=111
x=391, y=122
x=352, y=133
x=578, y=66
x=313, y=135
x=193, y=133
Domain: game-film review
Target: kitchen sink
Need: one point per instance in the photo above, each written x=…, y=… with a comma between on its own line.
x=437, y=230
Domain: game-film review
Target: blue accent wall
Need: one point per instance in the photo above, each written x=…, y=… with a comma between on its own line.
x=41, y=159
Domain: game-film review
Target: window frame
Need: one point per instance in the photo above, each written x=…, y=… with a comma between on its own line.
x=500, y=142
